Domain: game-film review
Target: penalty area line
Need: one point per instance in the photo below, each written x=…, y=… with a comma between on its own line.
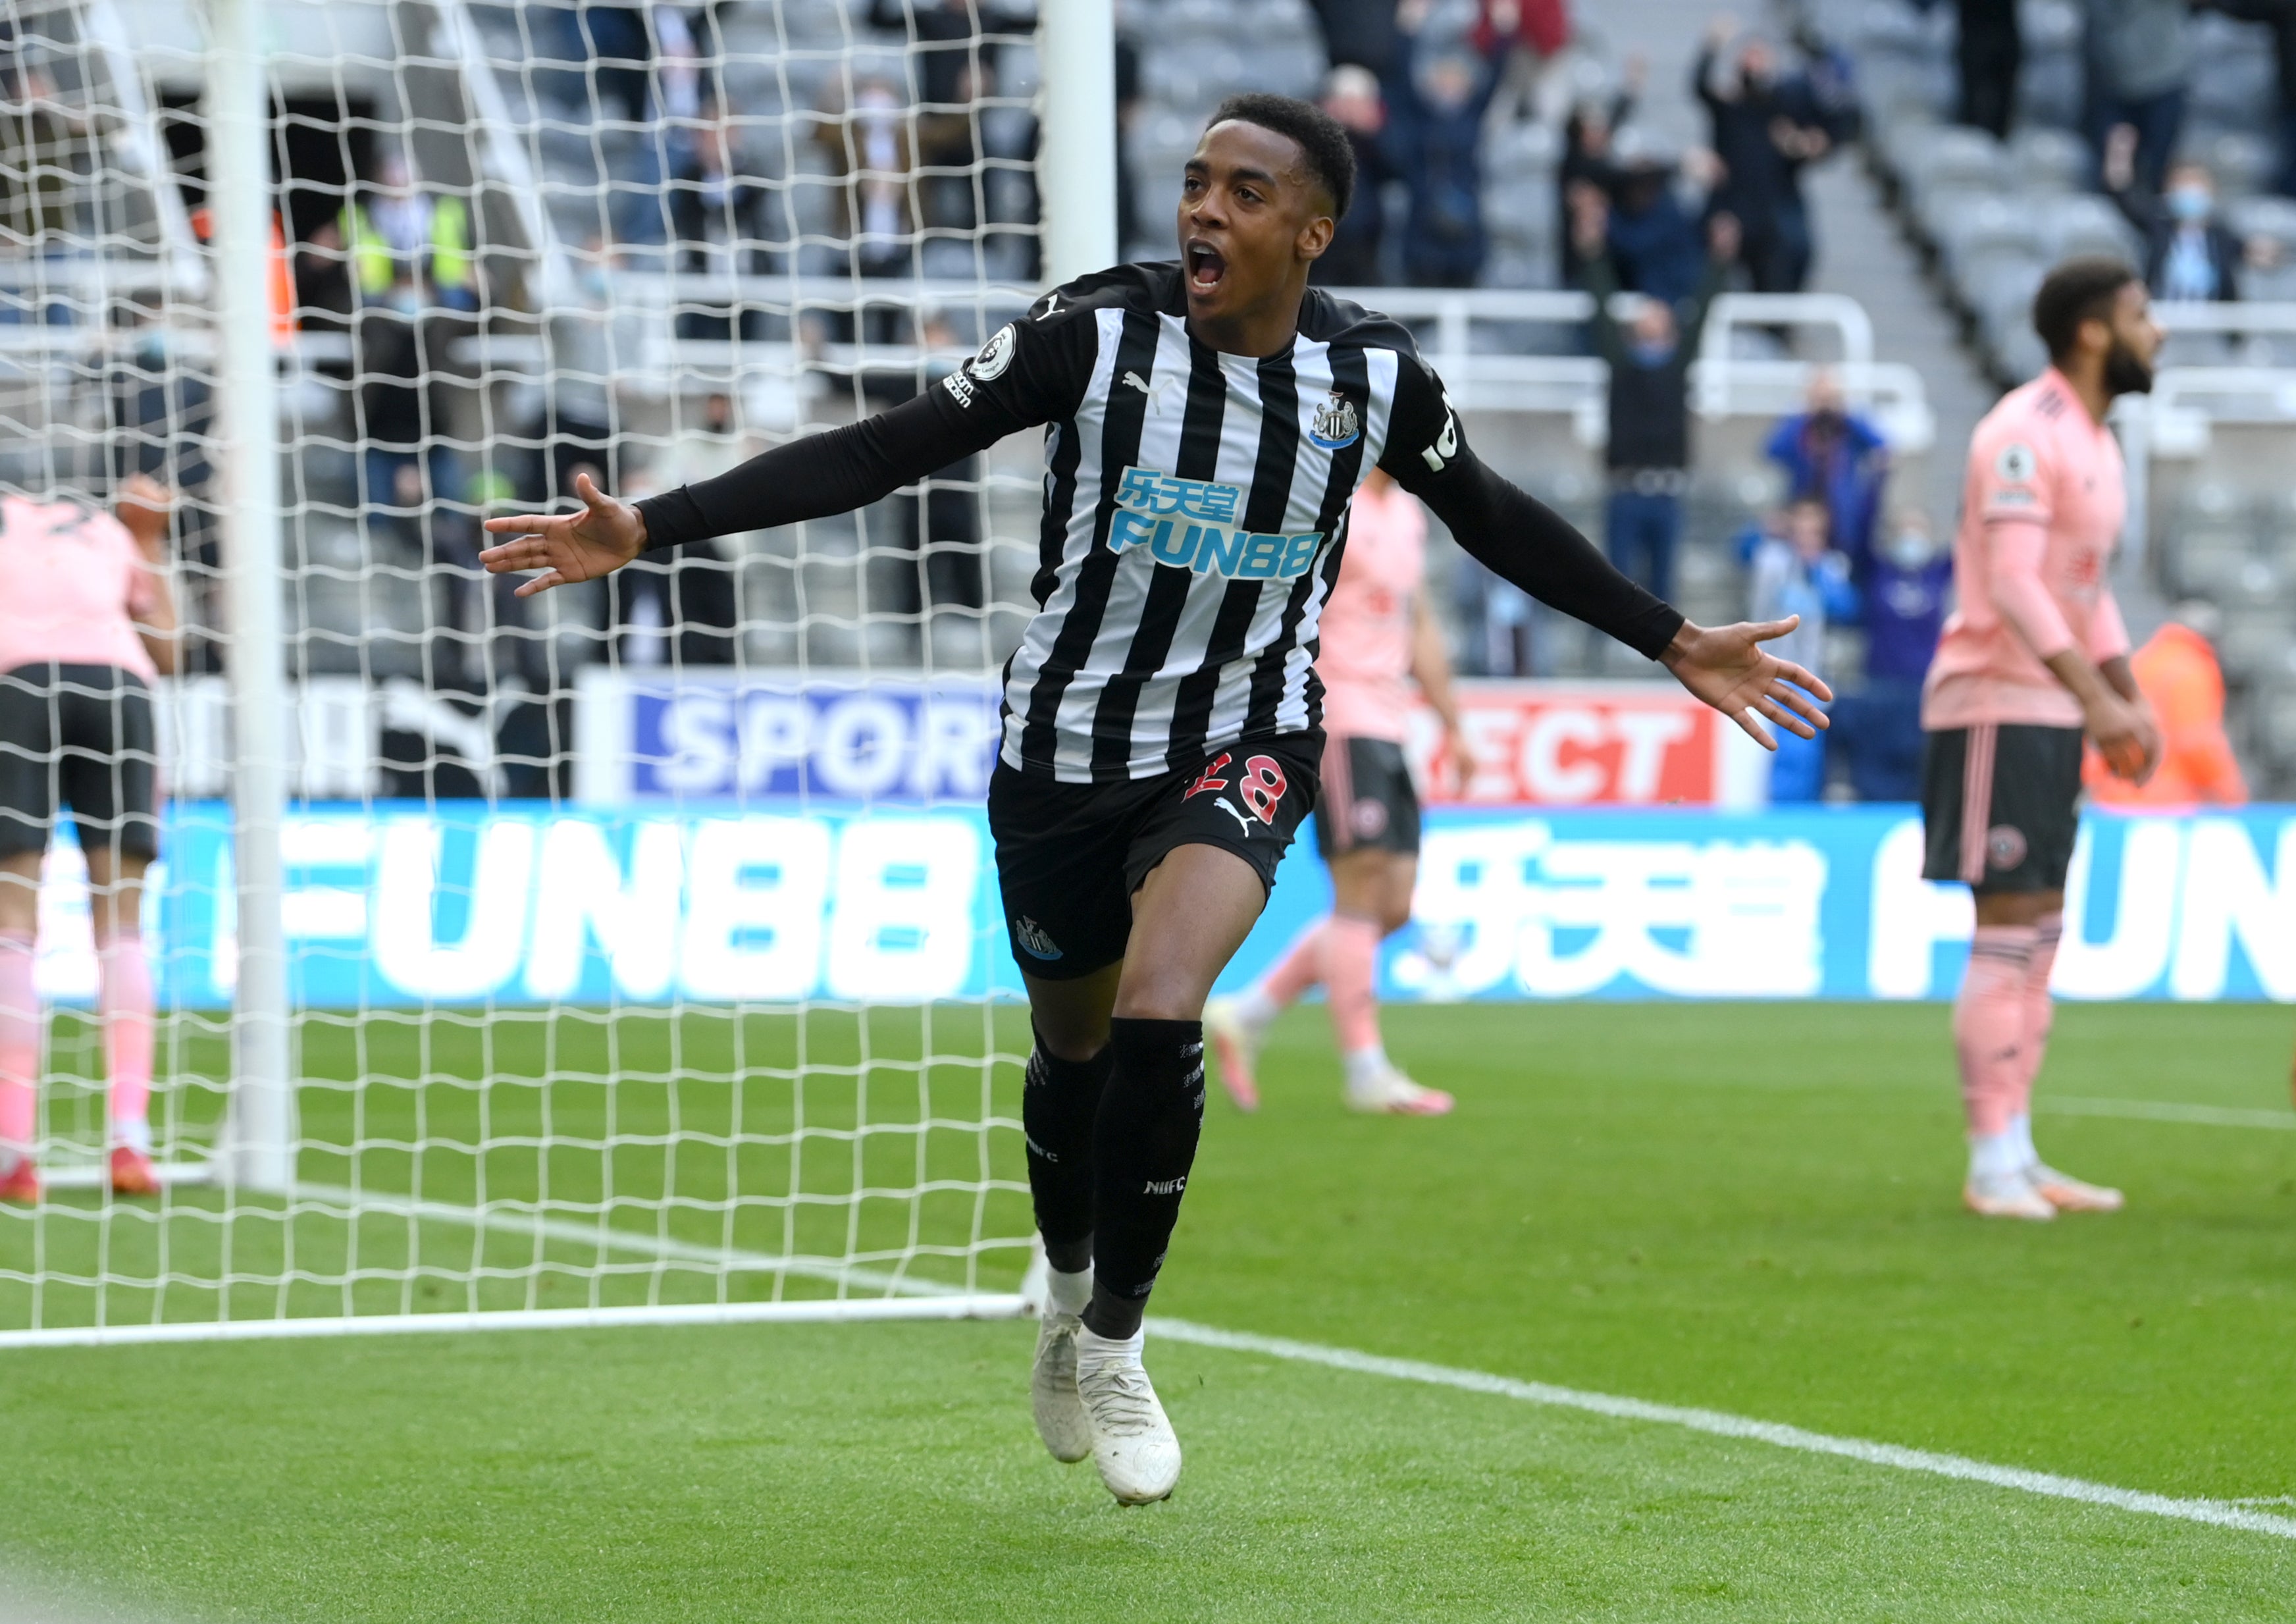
x=2219, y=1513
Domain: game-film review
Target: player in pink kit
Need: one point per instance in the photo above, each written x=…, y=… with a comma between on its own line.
x=1377, y=640
x=86, y=623
x=2035, y=656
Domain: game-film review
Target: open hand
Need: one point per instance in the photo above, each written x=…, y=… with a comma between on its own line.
x=1729, y=669
x=568, y=547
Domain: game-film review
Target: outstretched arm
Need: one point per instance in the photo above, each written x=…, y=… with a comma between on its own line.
x=807, y=478
x=1521, y=540
x=1031, y=373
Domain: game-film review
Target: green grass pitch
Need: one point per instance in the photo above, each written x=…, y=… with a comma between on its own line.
x=1750, y=1208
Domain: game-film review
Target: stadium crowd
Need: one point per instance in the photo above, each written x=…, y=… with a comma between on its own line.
x=1502, y=143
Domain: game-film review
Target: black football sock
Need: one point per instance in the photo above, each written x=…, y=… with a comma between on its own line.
x=1059, y=1100
x=1143, y=1146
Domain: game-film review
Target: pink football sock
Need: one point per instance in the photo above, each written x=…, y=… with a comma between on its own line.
x=1350, y=964
x=1989, y=1024
x=2040, y=1010
x=19, y=1043
x=126, y=1004
x=1298, y=970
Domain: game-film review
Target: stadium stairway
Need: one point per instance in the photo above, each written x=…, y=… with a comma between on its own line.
x=1860, y=252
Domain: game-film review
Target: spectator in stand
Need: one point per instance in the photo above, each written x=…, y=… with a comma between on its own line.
x=1828, y=452
x=941, y=524
x=1649, y=449
x=1528, y=42
x=672, y=608
x=1767, y=127
x=408, y=462
x=868, y=143
x=2177, y=672
x=2280, y=17
x=715, y=216
x=2139, y=56
x=1904, y=585
x=1658, y=245
x=1990, y=50
x=619, y=48
x=1351, y=96
x=1435, y=104
x=1587, y=156
x=1792, y=572
x=2189, y=253
x=1359, y=31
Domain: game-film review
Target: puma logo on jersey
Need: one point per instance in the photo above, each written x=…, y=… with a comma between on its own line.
x=1446, y=443
x=1136, y=382
x=1166, y=1186
x=1052, y=307
x=1242, y=821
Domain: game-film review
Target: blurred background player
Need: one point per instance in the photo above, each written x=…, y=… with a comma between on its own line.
x=87, y=624
x=1379, y=637
x=2035, y=656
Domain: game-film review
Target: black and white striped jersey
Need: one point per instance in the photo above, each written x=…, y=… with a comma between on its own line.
x=1195, y=506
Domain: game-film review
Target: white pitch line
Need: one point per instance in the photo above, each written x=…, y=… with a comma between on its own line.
x=925, y=1300
x=608, y=1238
x=2163, y=1111
x=789, y=1312
x=2220, y=1513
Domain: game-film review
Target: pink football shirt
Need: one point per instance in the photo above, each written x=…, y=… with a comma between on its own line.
x=75, y=586
x=1365, y=659
x=2040, y=513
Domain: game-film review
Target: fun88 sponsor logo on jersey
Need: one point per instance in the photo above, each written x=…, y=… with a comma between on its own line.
x=1190, y=524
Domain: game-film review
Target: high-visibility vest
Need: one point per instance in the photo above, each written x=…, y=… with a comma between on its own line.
x=373, y=266
x=450, y=244
x=367, y=252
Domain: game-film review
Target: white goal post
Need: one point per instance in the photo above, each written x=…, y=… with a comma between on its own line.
x=618, y=956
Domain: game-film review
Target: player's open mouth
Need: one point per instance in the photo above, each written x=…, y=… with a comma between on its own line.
x=1205, y=267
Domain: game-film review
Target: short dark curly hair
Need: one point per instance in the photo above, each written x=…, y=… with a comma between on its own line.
x=1331, y=158
x=2080, y=290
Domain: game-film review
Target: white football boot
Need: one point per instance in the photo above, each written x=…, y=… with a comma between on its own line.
x=1133, y=1443
x=1387, y=1092
x=2010, y=1195
x=1236, y=1036
x=1061, y=1420
x=2067, y=1194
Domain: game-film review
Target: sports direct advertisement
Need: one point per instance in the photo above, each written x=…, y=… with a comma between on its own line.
x=915, y=738
x=407, y=904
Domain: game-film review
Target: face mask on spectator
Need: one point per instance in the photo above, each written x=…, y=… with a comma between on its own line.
x=2189, y=204
x=1910, y=548
x=1653, y=352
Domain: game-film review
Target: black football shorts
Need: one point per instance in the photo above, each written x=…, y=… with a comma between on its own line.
x=81, y=736
x=1070, y=856
x=2001, y=805
x=1369, y=801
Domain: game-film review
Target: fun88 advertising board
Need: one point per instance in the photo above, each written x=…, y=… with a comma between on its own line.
x=770, y=841
x=406, y=904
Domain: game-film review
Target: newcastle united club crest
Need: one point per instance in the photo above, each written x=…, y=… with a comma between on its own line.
x=1336, y=424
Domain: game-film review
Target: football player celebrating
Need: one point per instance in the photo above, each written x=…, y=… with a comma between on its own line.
x=1207, y=420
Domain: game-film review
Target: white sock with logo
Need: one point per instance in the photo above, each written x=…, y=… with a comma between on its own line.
x=1254, y=1007
x=1365, y=1066
x=2020, y=1132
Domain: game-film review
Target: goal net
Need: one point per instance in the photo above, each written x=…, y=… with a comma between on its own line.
x=638, y=943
